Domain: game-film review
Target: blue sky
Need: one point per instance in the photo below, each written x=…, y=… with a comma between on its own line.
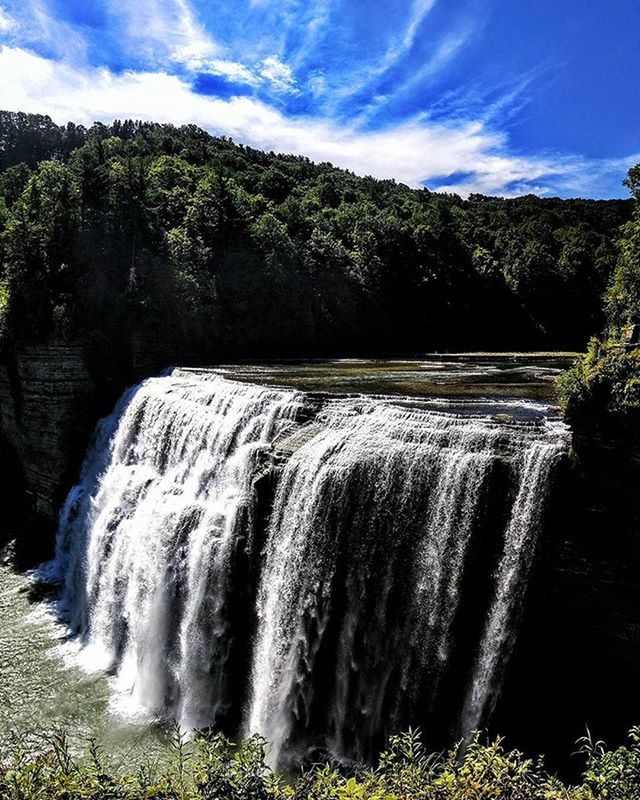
x=496, y=96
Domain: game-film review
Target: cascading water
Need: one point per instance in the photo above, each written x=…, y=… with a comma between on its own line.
x=327, y=615
x=365, y=559
x=147, y=544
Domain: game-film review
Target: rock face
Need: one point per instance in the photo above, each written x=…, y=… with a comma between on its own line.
x=577, y=657
x=51, y=397
x=47, y=411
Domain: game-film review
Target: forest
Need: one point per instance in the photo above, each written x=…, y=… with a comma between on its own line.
x=209, y=250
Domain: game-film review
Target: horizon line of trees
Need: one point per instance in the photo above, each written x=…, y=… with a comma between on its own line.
x=214, y=250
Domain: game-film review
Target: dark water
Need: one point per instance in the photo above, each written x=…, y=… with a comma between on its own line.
x=482, y=383
x=489, y=375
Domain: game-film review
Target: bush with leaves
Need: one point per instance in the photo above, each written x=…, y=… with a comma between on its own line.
x=605, y=381
x=213, y=768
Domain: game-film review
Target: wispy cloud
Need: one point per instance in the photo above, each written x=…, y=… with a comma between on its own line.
x=6, y=22
x=401, y=45
x=415, y=152
x=419, y=10
x=445, y=50
x=279, y=75
x=31, y=23
x=312, y=27
x=495, y=102
x=393, y=66
x=164, y=31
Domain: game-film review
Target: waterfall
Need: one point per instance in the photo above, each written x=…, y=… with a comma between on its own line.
x=327, y=614
x=149, y=537
x=513, y=569
x=367, y=549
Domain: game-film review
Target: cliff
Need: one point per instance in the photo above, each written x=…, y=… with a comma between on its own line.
x=47, y=411
x=51, y=397
x=577, y=654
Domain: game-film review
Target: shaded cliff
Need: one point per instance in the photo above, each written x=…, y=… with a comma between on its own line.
x=51, y=396
x=577, y=658
x=47, y=409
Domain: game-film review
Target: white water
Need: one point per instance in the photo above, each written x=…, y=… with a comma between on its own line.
x=383, y=502
x=147, y=540
x=340, y=625
x=513, y=570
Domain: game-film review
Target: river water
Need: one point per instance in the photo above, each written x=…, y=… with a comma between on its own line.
x=43, y=688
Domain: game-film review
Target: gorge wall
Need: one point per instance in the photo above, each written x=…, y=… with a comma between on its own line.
x=51, y=396
x=577, y=657
x=47, y=407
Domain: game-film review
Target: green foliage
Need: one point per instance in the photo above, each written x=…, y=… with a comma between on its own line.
x=623, y=296
x=213, y=768
x=612, y=774
x=144, y=231
x=606, y=381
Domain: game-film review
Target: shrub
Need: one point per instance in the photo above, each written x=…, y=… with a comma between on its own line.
x=604, y=381
x=213, y=768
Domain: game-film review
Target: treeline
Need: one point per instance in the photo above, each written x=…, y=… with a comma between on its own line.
x=606, y=382
x=208, y=249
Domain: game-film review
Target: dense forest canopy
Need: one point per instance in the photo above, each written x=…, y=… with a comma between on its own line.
x=215, y=250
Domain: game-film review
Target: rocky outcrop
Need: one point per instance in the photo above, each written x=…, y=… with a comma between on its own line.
x=577, y=655
x=47, y=405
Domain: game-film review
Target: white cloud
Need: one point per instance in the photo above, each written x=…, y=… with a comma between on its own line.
x=234, y=70
x=413, y=152
x=277, y=74
x=270, y=72
x=196, y=46
x=6, y=22
x=162, y=30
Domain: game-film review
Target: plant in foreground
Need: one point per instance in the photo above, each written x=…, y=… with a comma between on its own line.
x=210, y=767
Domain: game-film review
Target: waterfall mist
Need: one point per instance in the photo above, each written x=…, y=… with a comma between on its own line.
x=268, y=562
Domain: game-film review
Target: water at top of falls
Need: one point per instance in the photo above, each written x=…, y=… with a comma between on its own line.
x=522, y=384
x=323, y=606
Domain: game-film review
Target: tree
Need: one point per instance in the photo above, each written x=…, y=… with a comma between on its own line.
x=623, y=296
